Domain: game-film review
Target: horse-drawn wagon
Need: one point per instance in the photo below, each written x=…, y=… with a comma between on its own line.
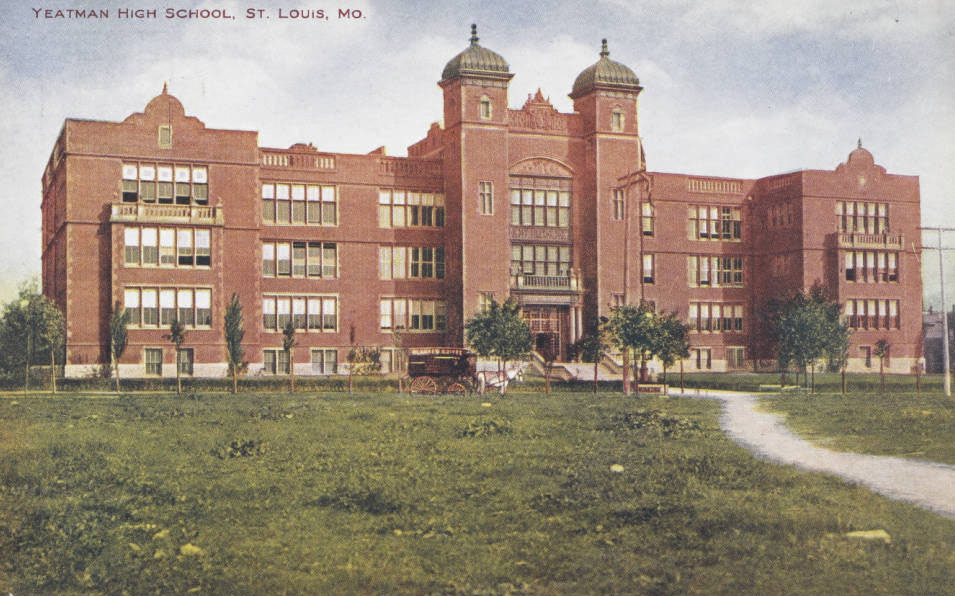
x=444, y=370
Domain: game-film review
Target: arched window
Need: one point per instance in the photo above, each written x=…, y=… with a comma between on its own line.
x=616, y=120
x=485, y=107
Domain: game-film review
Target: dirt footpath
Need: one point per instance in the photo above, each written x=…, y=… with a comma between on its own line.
x=926, y=484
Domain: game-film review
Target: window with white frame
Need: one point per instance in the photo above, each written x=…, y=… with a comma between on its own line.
x=715, y=317
x=714, y=271
x=649, y=261
x=399, y=208
x=155, y=307
x=412, y=314
x=861, y=217
x=167, y=247
x=165, y=184
x=300, y=259
x=299, y=204
x=152, y=357
x=872, y=313
x=540, y=259
x=306, y=313
x=540, y=202
x=703, y=358
x=647, y=216
x=411, y=262
x=184, y=360
x=714, y=222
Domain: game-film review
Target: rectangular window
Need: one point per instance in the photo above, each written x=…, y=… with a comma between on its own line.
x=167, y=247
x=203, y=307
x=283, y=310
x=312, y=313
x=150, y=238
x=268, y=362
x=268, y=313
x=715, y=317
x=400, y=208
x=165, y=184
x=617, y=205
x=131, y=304
x=167, y=307
x=203, y=249
x=153, y=360
x=710, y=222
x=648, y=261
x=184, y=359
x=150, y=307
x=299, y=318
x=735, y=357
x=283, y=257
x=866, y=355
x=324, y=361
x=131, y=241
x=186, y=313
x=298, y=259
x=298, y=204
x=486, y=198
x=540, y=260
x=542, y=202
x=647, y=219
x=282, y=356
x=275, y=362
x=184, y=248
x=268, y=259
x=412, y=314
x=703, y=357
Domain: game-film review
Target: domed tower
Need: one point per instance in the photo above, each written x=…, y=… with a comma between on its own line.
x=605, y=93
x=475, y=159
x=613, y=178
x=475, y=85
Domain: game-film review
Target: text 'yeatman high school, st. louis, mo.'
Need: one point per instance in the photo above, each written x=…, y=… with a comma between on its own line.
x=169, y=219
x=196, y=13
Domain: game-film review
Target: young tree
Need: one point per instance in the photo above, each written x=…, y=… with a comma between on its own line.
x=636, y=329
x=500, y=332
x=882, y=350
x=177, y=335
x=234, y=332
x=288, y=344
x=31, y=325
x=596, y=345
x=672, y=342
x=838, y=351
x=807, y=328
x=118, y=324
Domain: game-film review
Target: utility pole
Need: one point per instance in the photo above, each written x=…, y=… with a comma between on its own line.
x=941, y=276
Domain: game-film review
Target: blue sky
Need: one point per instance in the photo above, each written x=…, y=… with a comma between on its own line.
x=731, y=88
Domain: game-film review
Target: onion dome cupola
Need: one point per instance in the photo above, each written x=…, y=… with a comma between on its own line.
x=605, y=73
x=477, y=61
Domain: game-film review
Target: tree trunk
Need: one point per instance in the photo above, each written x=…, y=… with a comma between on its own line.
x=596, y=363
x=235, y=379
x=26, y=376
x=665, y=386
x=52, y=370
x=116, y=373
x=349, y=378
x=626, y=371
x=812, y=384
x=918, y=379
x=682, y=388
x=546, y=377
x=881, y=376
x=291, y=372
x=639, y=374
x=178, y=375
x=843, y=380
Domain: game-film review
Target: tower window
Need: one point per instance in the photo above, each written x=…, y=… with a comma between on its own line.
x=485, y=107
x=616, y=121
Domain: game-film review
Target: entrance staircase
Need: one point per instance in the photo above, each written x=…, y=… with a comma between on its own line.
x=574, y=371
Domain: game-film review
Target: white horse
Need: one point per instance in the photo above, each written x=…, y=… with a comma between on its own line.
x=500, y=379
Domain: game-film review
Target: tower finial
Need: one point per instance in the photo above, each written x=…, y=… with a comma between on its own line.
x=165, y=88
x=860, y=142
x=604, y=52
x=474, y=37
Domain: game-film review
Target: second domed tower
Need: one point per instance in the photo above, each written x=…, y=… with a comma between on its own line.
x=605, y=94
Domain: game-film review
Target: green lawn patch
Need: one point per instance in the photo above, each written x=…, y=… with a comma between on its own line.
x=908, y=425
x=387, y=493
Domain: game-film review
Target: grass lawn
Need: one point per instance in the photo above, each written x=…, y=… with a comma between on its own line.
x=910, y=425
x=385, y=493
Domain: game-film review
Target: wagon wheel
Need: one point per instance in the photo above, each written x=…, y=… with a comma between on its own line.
x=424, y=385
x=456, y=388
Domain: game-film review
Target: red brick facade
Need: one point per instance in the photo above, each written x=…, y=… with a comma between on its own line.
x=170, y=218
